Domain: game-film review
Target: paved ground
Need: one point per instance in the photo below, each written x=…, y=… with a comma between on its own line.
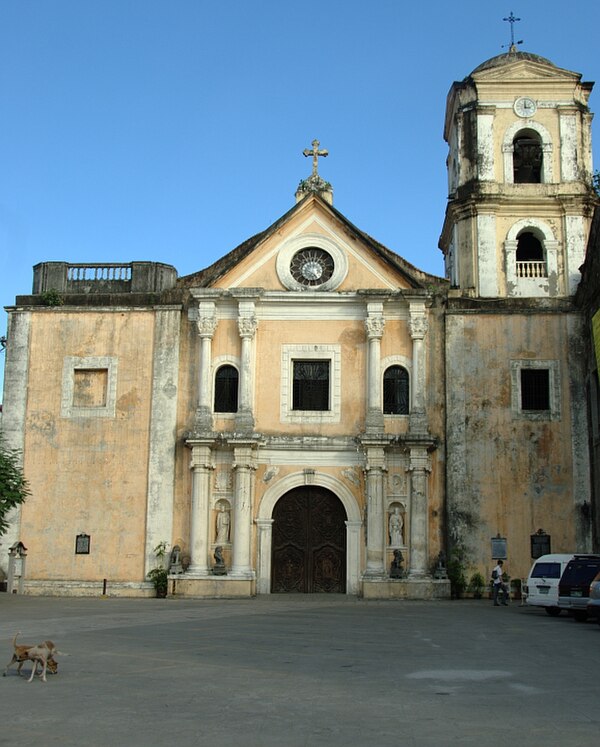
x=306, y=670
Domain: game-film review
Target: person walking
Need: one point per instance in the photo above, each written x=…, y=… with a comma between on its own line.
x=499, y=585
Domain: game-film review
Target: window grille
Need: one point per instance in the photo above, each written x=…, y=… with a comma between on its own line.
x=395, y=391
x=311, y=385
x=226, y=389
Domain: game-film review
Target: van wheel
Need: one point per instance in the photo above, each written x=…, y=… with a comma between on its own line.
x=580, y=616
x=552, y=611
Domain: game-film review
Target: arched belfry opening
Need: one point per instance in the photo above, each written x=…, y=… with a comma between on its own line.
x=527, y=157
x=309, y=542
x=530, y=258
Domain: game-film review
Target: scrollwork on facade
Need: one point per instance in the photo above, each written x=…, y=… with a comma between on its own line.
x=223, y=480
x=198, y=466
x=242, y=466
x=397, y=483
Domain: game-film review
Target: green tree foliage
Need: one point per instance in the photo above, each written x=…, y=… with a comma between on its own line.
x=13, y=485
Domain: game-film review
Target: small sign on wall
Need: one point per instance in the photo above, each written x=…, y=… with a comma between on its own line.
x=499, y=548
x=82, y=544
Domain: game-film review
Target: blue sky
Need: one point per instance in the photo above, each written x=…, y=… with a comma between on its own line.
x=173, y=130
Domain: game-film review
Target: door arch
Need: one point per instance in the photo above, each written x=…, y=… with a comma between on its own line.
x=309, y=542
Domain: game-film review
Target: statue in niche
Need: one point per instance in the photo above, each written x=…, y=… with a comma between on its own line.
x=396, y=570
x=395, y=526
x=218, y=568
x=223, y=522
x=175, y=565
x=440, y=569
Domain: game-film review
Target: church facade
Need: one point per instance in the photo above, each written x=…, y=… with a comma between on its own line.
x=311, y=413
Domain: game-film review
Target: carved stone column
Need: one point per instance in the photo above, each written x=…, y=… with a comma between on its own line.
x=374, y=325
x=206, y=324
x=247, y=325
x=418, y=326
x=244, y=466
x=375, y=470
x=199, y=525
x=419, y=540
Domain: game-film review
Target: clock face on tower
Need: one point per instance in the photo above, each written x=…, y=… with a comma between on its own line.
x=312, y=266
x=525, y=107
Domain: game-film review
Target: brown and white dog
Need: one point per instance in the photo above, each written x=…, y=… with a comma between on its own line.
x=42, y=654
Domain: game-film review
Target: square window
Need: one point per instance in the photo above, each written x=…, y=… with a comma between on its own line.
x=311, y=385
x=536, y=389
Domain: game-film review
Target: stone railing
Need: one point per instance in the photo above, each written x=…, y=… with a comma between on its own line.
x=105, y=277
x=531, y=270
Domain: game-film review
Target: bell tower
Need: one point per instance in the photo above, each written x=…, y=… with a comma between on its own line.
x=519, y=179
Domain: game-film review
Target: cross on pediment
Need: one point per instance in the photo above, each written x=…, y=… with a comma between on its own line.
x=315, y=153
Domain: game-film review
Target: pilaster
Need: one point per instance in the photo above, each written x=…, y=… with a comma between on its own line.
x=418, y=326
x=202, y=467
x=206, y=324
x=162, y=430
x=419, y=541
x=375, y=470
x=374, y=326
x=247, y=326
x=244, y=465
x=265, y=536
x=16, y=377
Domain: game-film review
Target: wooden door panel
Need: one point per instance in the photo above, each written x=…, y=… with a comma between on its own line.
x=309, y=542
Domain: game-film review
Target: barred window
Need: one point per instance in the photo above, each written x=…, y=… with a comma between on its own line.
x=395, y=391
x=311, y=385
x=226, y=389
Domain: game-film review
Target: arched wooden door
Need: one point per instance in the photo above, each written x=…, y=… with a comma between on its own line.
x=309, y=542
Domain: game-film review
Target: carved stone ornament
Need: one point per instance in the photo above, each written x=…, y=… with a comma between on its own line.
x=223, y=480
x=374, y=326
x=206, y=326
x=418, y=326
x=247, y=326
x=270, y=473
x=351, y=474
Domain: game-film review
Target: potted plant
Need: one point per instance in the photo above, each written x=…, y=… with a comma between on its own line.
x=477, y=585
x=456, y=572
x=159, y=575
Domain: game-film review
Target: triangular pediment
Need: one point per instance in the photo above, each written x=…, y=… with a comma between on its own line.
x=313, y=247
x=524, y=70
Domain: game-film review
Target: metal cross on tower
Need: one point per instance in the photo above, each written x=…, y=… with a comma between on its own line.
x=315, y=153
x=512, y=20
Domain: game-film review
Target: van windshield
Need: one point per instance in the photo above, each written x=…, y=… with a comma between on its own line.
x=546, y=570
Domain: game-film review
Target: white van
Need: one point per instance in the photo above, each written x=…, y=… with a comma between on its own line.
x=542, y=582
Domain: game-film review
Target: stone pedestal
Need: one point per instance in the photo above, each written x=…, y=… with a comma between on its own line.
x=406, y=588
x=213, y=587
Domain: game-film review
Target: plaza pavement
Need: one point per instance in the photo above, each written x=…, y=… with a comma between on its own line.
x=286, y=671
